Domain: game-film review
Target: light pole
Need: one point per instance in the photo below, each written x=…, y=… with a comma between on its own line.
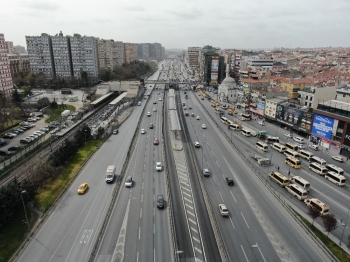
x=25, y=211
x=346, y=221
x=85, y=131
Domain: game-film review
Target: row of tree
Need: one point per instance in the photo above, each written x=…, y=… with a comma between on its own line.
x=37, y=175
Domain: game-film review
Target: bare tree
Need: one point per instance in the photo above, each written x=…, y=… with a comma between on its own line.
x=329, y=223
x=348, y=245
x=314, y=213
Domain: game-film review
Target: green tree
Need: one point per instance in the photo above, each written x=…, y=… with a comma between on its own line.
x=17, y=98
x=43, y=102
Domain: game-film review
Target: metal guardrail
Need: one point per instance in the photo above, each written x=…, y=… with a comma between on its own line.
x=218, y=236
x=274, y=193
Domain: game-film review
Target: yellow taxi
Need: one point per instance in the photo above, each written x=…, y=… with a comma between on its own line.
x=82, y=189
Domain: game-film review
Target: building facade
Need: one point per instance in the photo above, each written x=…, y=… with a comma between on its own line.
x=130, y=52
x=10, y=48
x=61, y=55
x=194, y=57
x=311, y=96
x=40, y=55
x=19, y=63
x=6, y=85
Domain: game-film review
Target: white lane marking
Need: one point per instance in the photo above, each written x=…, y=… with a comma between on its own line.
x=244, y=253
x=139, y=233
x=261, y=254
x=233, y=196
x=244, y=220
x=118, y=254
x=232, y=223
x=140, y=212
x=194, y=222
x=221, y=197
x=195, y=230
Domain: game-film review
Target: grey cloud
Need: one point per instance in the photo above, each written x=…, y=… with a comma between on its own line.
x=46, y=6
x=134, y=8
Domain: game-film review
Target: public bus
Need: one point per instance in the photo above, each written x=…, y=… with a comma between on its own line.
x=293, y=162
x=291, y=153
x=245, y=132
x=297, y=191
x=246, y=117
x=271, y=139
x=305, y=154
x=280, y=148
x=320, y=206
x=335, y=169
x=339, y=180
x=301, y=182
x=318, y=168
x=234, y=127
x=224, y=120
x=279, y=179
x=318, y=160
x=291, y=146
x=262, y=146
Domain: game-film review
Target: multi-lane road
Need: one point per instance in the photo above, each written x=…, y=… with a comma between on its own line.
x=258, y=227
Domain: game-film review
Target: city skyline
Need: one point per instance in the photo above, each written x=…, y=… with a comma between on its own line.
x=235, y=24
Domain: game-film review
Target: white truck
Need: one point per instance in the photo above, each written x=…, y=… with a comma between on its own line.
x=65, y=113
x=110, y=174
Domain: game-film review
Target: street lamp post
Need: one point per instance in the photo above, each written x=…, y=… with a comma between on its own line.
x=25, y=211
x=85, y=131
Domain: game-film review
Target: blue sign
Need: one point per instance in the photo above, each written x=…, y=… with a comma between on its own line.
x=323, y=126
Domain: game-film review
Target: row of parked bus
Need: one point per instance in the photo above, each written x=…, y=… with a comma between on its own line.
x=299, y=187
x=318, y=165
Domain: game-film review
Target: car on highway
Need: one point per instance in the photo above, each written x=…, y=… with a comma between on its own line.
x=148, y=113
x=82, y=188
x=196, y=144
x=154, y=109
x=143, y=131
x=128, y=181
x=213, y=105
x=198, y=118
x=160, y=201
x=261, y=123
x=116, y=131
x=159, y=166
x=156, y=141
x=189, y=107
x=192, y=115
x=223, y=210
x=160, y=99
x=187, y=114
x=154, y=102
x=338, y=158
x=229, y=181
x=288, y=135
x=151, y=126
x=204, y=126
x=314, y=147
x=206, y=172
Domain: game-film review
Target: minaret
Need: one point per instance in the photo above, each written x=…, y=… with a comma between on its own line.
x=227, y=71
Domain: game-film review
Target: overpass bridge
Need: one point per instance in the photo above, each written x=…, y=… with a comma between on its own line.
x=170, y=82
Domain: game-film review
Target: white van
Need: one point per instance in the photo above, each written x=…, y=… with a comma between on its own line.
x=262, y=146
x=280, y=148
x=110, y=174
x=298, y=139
x=139, y=103
x=291, y=153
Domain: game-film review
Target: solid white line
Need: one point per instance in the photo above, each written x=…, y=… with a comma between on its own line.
x=244, y=220
x=244, y=253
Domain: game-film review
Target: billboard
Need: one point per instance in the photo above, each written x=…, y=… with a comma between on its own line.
x=214, y=70
x=294, y=117
x=323, y=126
x=347, y=136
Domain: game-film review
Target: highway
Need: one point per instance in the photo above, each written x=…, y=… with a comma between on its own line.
x=247, y=200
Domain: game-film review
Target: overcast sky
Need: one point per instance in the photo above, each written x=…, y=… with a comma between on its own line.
x=184, y=23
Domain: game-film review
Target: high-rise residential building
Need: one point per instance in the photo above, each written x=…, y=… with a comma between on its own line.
x=6, y=85
x=162, y=55
x=19, y=63
x=61, y=55
x=84, y=56
x=110, y=53
x=40, y=55
x=194, y=57
x=145, y=50
x=130, y=51
x=20, y=49
x=10, y=48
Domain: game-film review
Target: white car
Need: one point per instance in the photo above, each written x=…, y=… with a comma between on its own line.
x=143, y=131
x=196, y=144
x=338, y=158
x=198, y=118
x=301, y=146
x=223, y=210
x=159, y=166
x=261, y=123
x=288, y=135
x=314, y=147
x=160, y=99
x=204, y=126
x=148, y=113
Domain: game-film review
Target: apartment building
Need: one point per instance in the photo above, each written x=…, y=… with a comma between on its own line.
x=84, y=56
x=10, y=48
x=311, y=96
x=19, y=63
x=194, y=57
x=130, y=51
x=6, y=85
x=110, y=53
x=119, y=52
x=293, y=86
x=40, y=55
x=61, y=55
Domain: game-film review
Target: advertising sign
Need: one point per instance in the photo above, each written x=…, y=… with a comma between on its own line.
x=323, y=126
x=215, y=65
